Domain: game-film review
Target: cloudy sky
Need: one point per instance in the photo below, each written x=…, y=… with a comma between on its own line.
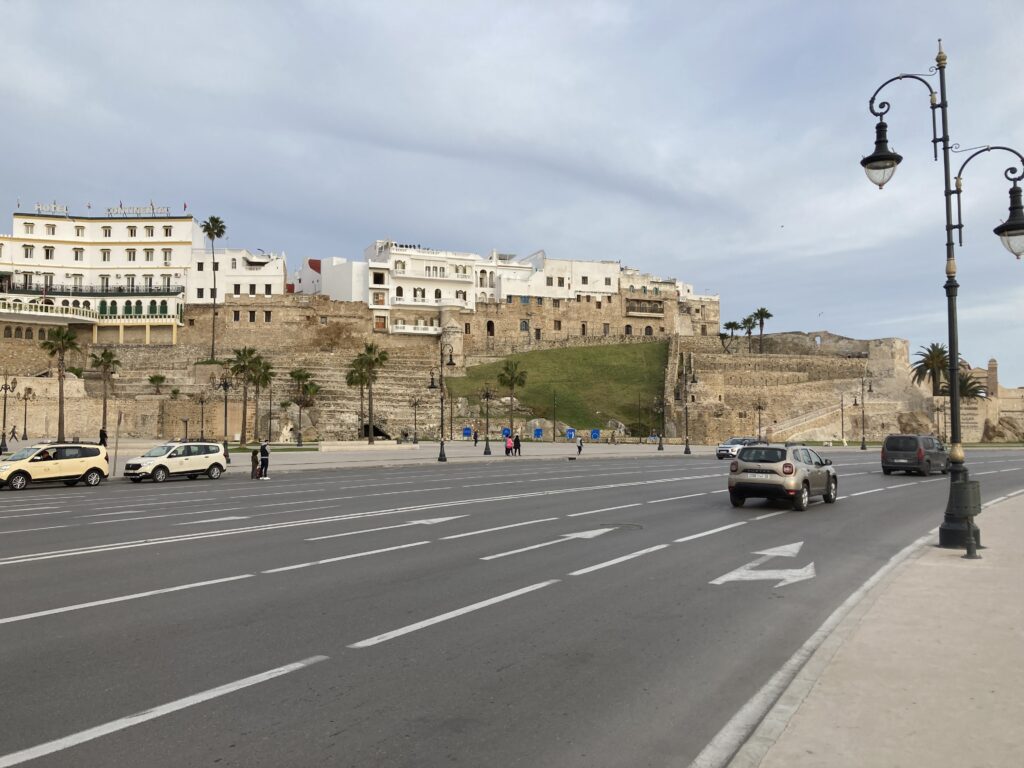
x=715, y=142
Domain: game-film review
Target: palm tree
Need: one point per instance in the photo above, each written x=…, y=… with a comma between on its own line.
x=372, y=360
x=510, y=376
x=932, y=364
x=214, y=229
x=107, y=362
x=728, y=340
x=157, y=380
x=242, y=367
x=970, y=387
x=262, y=375
x=760, y=315
x=356, y=377
x=300, y=377
x=748, y=324
x=58, y=344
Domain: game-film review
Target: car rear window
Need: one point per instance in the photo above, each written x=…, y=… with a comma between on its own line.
x=901, y=443
x=767, y=455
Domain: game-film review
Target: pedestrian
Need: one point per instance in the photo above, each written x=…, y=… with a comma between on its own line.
x=103, y=437
x=517, y=446
x=14, y=433
x=264, y=461
x=508, y=445
x=255, y=474
x=579, y=445
x=476, y=437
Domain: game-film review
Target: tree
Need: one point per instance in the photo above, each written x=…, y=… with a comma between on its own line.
x=728, y=340
x=262, y=376
x=106, y=362
x=371, y=360
x=932, y=365
x=214, y=229
x=58, y=344
x=243, y=367
x=157, y=380
x=510, y=376
x=760, y=315
x=748, y=324
x=356, y=377
x=300, y=378
x=970, y=387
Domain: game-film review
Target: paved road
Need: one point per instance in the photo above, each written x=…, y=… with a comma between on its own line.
x=509, y=613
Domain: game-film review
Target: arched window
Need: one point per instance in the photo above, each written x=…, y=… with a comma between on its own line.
x=163, y=307
x=437, y=293
x=138, y=307
x=127, y=309
x=648, y=331
x=86, y=304
x=399, y=292
x=75, y=303
x=17, y=333
x=103, y=307
x=400, y=266
x=490, y=327
x=629, y=330
x=28, y=333
x=656, y=291
x=65, y=303
x=483, y=278
x=643, y=290
x=113, y=308
x=490, y=280
x=524, y=325
x=152, y=306
x=7, y=332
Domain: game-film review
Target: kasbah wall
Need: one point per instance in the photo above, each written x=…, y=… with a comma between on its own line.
x=802, y=386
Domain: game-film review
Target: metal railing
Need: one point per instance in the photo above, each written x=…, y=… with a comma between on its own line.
x=45, y=291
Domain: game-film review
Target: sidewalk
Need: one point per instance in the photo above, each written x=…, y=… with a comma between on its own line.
x=926, y=670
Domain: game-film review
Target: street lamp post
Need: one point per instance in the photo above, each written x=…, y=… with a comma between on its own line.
x=842, y=418
x=760, y=408
x=689, y=377
x=202, y=399
x=964, y=501
x=5, y=388
x=25, y=397
x=487, y=395
x=439, y=385
x=863, y=402
x=223, y=382
x=661, y=435
x=185, y=422
x=415, y=402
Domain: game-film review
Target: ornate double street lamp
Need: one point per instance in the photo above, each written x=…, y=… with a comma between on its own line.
x=223, y=382
x=439, y=384
x=415, y=402
x=202, y=398
x=25, y=397
x=659, y=406
x=5, y=388
x=964, y=501
x=487, y=395
x=689, y=378
x=866, y=378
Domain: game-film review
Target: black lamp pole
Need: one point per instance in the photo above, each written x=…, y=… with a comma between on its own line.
x=842, y=418
x=661, y=436
x=964, y=500
x=5, y=388
x=415, y=402
x=202, y=399
x=863, y=416
x=688, y=379
x=224, y=383
x=439, y=385
x=487, y=395
x=25, y=396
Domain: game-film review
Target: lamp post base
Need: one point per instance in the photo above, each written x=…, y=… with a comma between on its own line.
x=227, y=454
x=441, y=456
x=661, y=444
x=963, y=505
x=487, y=447
x=953, y=533
x=3, y=444
x=686, y=450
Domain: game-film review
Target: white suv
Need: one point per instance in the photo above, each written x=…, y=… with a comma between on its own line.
x=192, y=459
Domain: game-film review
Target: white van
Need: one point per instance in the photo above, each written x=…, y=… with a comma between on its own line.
x=190, y=458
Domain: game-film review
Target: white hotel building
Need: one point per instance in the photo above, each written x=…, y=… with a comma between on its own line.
x=128, y=274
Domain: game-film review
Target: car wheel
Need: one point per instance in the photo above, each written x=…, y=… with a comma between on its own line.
x=159, y=475
x=93, y=478
x=214, y=472
x=802, y=498
x=736, y=500
x=70, y=483
x=18, y=482
x=135, y=479
x=886, y=471
x=927, y=469
x=833, y=491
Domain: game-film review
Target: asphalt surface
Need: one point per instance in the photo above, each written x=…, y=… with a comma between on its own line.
x=211, y=623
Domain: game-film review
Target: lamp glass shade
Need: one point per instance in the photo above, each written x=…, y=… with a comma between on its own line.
x=880, y=173
x=1013, y=242
x=881, y=164
x=1011, y=231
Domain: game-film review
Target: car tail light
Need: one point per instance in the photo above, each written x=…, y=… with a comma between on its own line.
x=920, y=453
x=883, y=454
x=734, y=466
x=788, y=469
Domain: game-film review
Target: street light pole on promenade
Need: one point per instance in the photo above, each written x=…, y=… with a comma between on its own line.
x=6, y=388
x=439, y=385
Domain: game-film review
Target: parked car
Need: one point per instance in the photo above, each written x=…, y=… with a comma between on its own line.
x=731, y=447
x=793, y=473
x=914, y=453
x=190, y=458
x=69, y=463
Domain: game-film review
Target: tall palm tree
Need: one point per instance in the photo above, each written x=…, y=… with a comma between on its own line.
x=970, y=387
x=511, y=376
x=262, y=375
x=932, y=364
x=242, y=367
x=373, y=359
x=748, y=324
x=300, y=378
x=58, y=344
x=214, y=229
x=731, y=326
x=107, y=362
x=760, y=315
x=355, y=376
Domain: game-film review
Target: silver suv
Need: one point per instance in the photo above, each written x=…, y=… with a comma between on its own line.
x=792, y=472
x=731, y=447
x=191, y=459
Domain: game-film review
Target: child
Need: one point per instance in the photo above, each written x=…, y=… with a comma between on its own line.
x=255, y=474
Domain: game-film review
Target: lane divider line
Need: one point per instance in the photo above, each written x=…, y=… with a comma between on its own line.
x=618, y=560
x=338, y=559
x=603, y=509
x=499, y=528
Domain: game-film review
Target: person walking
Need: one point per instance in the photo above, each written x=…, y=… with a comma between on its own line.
x=508, y=445
x=103, y=437
x=14, y=433
x=264, y=460
x=579, y=445
x=476, y=437
x=255, y=473
x=517, y=446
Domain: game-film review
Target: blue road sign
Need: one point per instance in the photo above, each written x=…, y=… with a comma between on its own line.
x=570, y=433
x=538, y=433
x=505, y=432
x=467, y=431
x=595, y=434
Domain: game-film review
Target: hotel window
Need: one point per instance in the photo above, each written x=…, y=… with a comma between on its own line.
x=234, y=263
x=105, y=254
x=79, y=254
x=561, y=282
x=216, y=267
x=26, y=280
x=378, y=297
x=199, y=293
x=266, y=289
x=51, y=229
x=149, y=231
x=76, y=282
x=48, y=253
x=508, y=299
x=380, y=323
x=252, y=315
x=252, y=289
x=199, y=266
x=167, y=231
x=47, y=281
x=236, y=315
x=106, y=231
x=556, y=303
x=29, y=251
x=79, y=231
x=167, y=257
x=238, y=289
x=266, y=315
x=378, y=278
x=551, y=281
x=165, y=282
x=607, y=281
x=585, y=279
x=147, y=281
x=29, y=227
x=213, y=293
x=129, y=282
x=540, y=301
x=105, y=282
x=131, y=254
x=132, y=231
x=149, y=254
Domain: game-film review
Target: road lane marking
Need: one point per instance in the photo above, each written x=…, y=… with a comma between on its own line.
x=431, y=521
x=561, y=540
x=772, y=514
x=708, y=533
x=343, y=557
x=447, y=616
x=121, y=599
x=677, y=498
x=57, y=745
x=618, y=560
x=603, y=509
x=30, y=530
x=499, y=528
x=215, y=520
x=862, y=493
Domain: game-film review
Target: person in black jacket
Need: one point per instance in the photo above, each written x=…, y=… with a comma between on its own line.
x=264, y=460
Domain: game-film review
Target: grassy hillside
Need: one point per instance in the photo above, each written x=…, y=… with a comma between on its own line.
x=589, y=385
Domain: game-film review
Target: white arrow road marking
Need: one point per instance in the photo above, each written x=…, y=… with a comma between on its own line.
x=430, y=521
x=215, y=520
x=565, y=537
x=787, y=576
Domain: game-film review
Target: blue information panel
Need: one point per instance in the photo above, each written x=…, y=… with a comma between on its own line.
x=538, y=433
x=505, y=432
x=570, y=433
x=467, y=431
x=595, y=434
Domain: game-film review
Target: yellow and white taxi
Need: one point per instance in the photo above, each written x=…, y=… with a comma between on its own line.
x=69, y=463
x=190, y=458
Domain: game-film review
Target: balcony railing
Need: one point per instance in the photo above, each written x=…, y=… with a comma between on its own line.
x=43, y=291
x=69, y=313
x=430, y=330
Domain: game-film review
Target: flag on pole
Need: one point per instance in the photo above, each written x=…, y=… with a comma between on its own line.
x=186, y=206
